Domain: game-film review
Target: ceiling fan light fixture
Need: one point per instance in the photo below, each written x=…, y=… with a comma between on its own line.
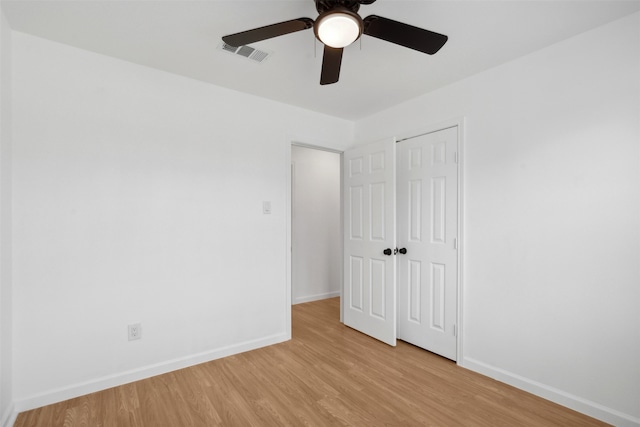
x=339, y=25
x=338, y=28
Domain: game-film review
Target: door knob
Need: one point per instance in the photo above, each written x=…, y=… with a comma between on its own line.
x=402, y=250
x=387, y=251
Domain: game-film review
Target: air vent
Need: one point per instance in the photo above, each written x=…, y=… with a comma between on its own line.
x=248, y=52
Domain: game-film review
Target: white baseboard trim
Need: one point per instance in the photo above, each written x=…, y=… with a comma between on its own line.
x=98, y=384
x=9, y=416
x=310, y=298
x=560, y=397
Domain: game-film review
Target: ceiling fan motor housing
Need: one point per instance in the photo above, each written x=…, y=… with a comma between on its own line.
x=325, y=5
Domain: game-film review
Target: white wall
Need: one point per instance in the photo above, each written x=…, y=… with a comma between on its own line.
x=317, y=235
x=138, y=198
x=6, y=395
x=552, y=217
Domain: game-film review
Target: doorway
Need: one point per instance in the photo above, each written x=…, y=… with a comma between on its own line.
x=316, y=224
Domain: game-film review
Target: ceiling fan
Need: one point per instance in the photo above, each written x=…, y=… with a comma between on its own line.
x=337, y=26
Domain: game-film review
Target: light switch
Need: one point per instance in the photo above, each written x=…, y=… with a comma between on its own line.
x=266, y=208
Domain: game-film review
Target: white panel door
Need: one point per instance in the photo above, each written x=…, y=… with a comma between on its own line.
x=427, y=194
x=369, y=297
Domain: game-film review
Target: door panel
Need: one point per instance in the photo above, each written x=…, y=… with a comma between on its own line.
x=377, y=211
x=370, y=276
x=378, y=288
x=427, y=198
x=415, y=288
x=356, y=282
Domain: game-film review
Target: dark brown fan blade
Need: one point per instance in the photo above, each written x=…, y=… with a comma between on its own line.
x=267, y=32
x=331, y=61
x=404, y=34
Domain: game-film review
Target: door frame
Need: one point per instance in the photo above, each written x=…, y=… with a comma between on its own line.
x=460, y=123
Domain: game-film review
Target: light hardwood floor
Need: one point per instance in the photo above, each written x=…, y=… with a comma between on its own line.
x=328, y=374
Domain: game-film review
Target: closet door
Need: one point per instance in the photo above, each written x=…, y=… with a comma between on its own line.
x=427, y=231
x=369, y=297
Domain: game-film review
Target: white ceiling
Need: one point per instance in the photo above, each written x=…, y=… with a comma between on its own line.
x=183, y=36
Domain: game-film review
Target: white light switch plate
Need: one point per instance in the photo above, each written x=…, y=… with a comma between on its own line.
x=266, y=208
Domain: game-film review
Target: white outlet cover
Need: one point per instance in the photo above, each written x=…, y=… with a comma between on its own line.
x=135, y=331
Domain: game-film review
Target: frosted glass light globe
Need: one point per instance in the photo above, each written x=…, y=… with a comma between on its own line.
x=338, y=30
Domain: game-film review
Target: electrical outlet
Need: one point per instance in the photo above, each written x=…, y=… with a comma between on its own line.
x=135, y=331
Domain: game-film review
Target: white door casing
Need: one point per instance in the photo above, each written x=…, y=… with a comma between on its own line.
x=369, y=297
x=427, y=186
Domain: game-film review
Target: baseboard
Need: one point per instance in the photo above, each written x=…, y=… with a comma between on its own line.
x=310, y=298
x=81, y=389
x=9, y=416
x=560, y=397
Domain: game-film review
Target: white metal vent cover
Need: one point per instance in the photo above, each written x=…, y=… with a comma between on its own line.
x=247, y=52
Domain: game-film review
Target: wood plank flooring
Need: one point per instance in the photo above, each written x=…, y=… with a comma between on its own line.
x=327, y=375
